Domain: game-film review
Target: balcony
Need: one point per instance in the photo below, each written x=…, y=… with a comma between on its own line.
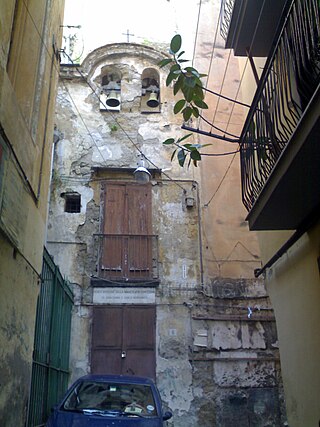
x=127, y=258
x=250, y=25
x=280, y=148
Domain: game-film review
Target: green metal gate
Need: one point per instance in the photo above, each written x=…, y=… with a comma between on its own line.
x=50, y=368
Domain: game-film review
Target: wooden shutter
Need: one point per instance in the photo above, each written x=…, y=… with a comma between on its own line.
x=139, y=226
x=127, y=241
x=114, y=227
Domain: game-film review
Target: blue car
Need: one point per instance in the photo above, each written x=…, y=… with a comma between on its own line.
x=110, y=401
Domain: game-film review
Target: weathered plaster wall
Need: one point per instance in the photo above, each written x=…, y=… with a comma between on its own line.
x=293, y=284
x=19, y=290
x=26, y=131
x=211, y=357
x=216, y=365
x=229, y=249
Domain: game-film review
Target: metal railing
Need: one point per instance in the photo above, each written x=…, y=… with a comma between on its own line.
x=226, y=14
x=289, y=80
x=127, y=256
x=50, y=365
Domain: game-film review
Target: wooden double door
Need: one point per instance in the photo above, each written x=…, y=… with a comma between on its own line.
x=123, y=340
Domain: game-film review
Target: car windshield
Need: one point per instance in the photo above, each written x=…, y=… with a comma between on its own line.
x=134, y=399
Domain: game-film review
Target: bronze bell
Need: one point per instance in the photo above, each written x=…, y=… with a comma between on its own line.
x=153, y=100
x=113, y=99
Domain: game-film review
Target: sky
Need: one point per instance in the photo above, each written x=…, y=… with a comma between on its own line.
x=103, y=21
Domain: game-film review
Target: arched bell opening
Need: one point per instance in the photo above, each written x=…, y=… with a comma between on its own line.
x=150, y=91
x=110, y=97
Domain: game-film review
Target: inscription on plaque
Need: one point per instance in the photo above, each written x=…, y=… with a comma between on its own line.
x=124, y=296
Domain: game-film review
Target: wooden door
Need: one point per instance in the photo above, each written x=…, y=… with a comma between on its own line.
x=127, y=228
x=123, y=340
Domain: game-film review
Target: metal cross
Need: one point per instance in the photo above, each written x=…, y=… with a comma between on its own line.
x=127, y=34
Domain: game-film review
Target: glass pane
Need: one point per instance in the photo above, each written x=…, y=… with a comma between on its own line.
x=128, y=398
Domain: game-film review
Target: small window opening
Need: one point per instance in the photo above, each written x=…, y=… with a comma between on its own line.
x=72, y=202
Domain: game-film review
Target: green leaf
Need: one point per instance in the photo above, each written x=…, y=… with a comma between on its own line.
x=190, y=69
x=181, y=157
x=196, y=145
x=190, y=81
x=199, y=103
x=175, y=44
x=183, y=60
x=171, y=76
x=198, y=82
x=164, y=62
x=195, y=111
x=178, y=106
x=183, y=138
x=188, y=93
x=175, y=67
x=178, y=84
x=168, y=141
x=181, y=53
x=173, y=154
x=193, y=71
x=187, y=113
x=199, y=92
x=195, y=155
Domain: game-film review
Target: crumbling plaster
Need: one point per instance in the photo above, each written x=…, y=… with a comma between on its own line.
x=201, y=363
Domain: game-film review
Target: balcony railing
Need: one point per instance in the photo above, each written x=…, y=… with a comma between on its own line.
x=226, y=14
x=125, y=257
x=289, y=80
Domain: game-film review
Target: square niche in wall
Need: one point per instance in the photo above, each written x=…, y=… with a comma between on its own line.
x=72, y=202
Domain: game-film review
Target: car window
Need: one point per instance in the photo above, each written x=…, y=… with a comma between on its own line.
x=130, y=398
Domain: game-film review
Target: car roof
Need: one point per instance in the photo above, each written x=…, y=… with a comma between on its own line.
x=118, y=379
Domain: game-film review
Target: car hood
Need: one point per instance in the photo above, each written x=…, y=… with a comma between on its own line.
x=75, y=419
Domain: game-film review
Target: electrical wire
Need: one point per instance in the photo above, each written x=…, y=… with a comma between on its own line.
x=112, y=115
x=219, y=129
x=196, y=35
x=240, y=83
x=205, y=88
x=214, y=45
x=221, y=182
x=119, y=124
x=83, y=121
x=222, y=84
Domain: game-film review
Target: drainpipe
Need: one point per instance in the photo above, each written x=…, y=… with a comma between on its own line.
x=200, y=235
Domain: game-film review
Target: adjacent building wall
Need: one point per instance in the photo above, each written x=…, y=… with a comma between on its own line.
x=293, y=284
x=29, y=39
